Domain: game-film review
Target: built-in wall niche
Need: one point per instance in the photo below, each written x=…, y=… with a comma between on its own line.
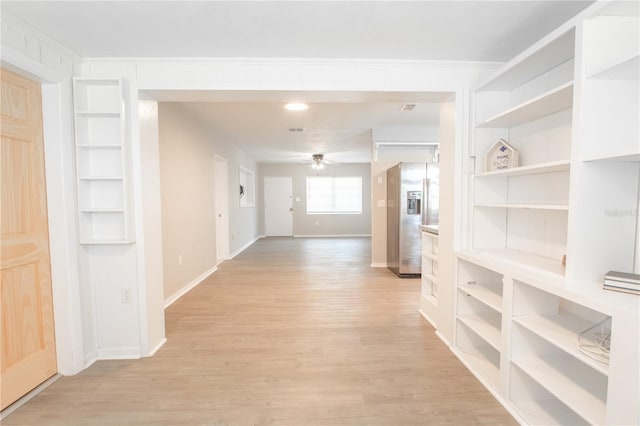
x=247, y=188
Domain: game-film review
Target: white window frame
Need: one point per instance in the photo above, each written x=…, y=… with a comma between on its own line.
x=333, y=198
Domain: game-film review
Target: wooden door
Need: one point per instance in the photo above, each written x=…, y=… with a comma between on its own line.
x=27, y=342
x=278, y=207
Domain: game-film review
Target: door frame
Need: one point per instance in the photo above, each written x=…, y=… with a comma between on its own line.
x=57, y=116
x=221, y=197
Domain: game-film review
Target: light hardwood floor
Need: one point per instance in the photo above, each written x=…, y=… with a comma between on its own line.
x=290, y=332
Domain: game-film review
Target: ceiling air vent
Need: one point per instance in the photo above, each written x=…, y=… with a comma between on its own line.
x=407, y=107
x=296, y=129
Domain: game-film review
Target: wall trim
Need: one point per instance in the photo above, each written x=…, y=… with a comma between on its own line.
x=433, y=324
x=130, y=352
x=157, y=347
x=331, y=235
x=446, y=342
x=292, y=61
x=244, y=247
x=490, y=387
x=184, y=290
x=379, y=264
x=89, y=359
x=29, y=396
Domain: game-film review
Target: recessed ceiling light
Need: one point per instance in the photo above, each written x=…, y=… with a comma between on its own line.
x=296, y=106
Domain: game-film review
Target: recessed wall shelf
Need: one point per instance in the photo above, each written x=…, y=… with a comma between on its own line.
x=101, y=162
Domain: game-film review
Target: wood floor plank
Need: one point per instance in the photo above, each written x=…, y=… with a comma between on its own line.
x=290, y=332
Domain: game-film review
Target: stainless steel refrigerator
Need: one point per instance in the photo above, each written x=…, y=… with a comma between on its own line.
x=405, y=182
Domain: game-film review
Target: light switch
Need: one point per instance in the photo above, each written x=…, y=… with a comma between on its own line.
x=380, y=203
x=297, y=199
x=380, y=181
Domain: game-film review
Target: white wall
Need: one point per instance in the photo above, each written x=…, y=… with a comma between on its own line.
x=187, y=150
x=327, y=224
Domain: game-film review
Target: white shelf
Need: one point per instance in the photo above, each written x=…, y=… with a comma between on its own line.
x=102, y=178
x=482, y=366
x=523, y=206
x=548, y=103
x=101, y=162
x=525, y=262
x=552, y=375
x=562, y=331
x=550, y=167
x=102, y=210
x=431, y=256
x=632, y=157
x=431, y=278
x=627, y=69
x=99, y=113
x=98, y=146
x=538, y=59
x=481, y=325
x=482, y=294
x=548, y=412
x=105, y=242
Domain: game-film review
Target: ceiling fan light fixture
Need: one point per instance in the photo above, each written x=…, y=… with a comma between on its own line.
x=295, y=106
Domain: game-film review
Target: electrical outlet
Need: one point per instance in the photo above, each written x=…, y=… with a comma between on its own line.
x=317, y=223
x=179, y=260
x=125, y=293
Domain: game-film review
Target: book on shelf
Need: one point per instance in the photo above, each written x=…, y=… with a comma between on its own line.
x=622, y=281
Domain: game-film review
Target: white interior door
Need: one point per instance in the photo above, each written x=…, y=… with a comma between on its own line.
x=278, y=206
x=221, y=188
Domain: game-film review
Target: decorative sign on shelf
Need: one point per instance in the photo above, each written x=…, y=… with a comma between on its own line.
x=501, y=156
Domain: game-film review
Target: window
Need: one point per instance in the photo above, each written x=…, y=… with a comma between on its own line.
x=334, y=195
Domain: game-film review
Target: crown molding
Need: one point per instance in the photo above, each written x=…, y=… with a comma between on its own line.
x=41, y=37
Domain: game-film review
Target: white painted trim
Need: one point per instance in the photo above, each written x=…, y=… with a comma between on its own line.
x=29, y=396
x=157, y=347
x=331, y=235
x=292, y=61
x=379, y=264
x=446, y=342
x=90, y=358
x=429, y=320
x=184, y=290
x=490, y=387
x=244, y=247
x=132, y=352
x=40, y=36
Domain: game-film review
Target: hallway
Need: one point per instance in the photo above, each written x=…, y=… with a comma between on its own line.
x=290, y=332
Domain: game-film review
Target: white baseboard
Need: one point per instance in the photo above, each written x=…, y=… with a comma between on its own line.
x=244, y=247
x=90, y=358
x=446, y=342
x=379, y=264
x=490, y=387
x=158, y=346
x=433, y=324
x=331, y=235
x=132, y=352
x=184, y=290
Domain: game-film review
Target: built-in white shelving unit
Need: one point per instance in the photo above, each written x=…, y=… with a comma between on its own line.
x=101, y=162
x=429, y=279
x=569, y=105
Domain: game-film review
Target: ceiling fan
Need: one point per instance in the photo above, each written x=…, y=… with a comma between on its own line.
x=318, y=162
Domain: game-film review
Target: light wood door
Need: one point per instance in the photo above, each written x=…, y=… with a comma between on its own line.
x=278, y=207
x=28, y=354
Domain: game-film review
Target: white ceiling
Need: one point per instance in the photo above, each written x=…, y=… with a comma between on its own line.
x=337, y=124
